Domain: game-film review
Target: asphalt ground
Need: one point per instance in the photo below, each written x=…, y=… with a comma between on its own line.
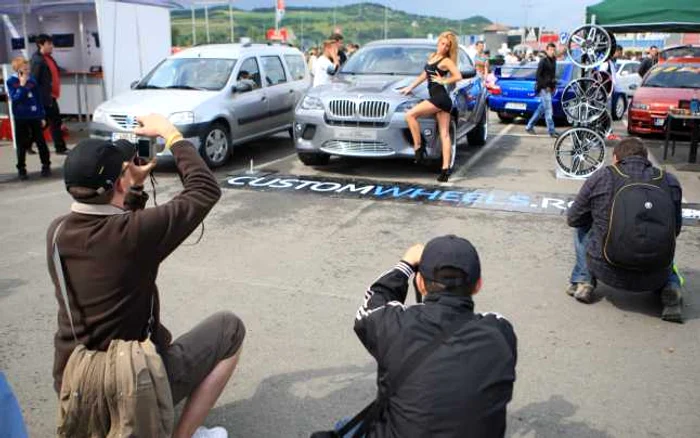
x=295, y=268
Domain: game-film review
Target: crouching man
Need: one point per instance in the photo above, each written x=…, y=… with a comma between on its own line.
x=627, y=217
x=443, y=370
x=110, y=249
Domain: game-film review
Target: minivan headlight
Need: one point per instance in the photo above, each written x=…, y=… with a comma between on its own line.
x=407, y=106
x=311, y=103
x=99, y=115
x=183, y=118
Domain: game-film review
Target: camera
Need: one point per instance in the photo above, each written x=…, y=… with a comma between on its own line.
x=148, y=148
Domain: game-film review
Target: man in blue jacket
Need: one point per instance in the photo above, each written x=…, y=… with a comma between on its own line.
x=29, y=116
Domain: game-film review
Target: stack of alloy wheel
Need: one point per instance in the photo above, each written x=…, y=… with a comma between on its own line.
x=580, y=150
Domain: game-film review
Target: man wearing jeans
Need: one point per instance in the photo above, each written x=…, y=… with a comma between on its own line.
x=47, y=74
x=545, y=87
x=590, y=214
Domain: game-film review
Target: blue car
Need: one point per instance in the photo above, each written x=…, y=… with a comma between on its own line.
x=514, y=92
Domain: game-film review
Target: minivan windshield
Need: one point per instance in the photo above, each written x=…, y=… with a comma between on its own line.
x=388, y=60
x=674, y=76
x=189, y=74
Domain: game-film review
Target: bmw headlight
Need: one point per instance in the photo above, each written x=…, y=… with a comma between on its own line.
x=407, y=106
x=99, y=115
x=311, y=103
x=640, y=106
x=183, y=118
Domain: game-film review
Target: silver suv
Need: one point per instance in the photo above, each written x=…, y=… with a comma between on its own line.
x=218, y=96
x=362, y=114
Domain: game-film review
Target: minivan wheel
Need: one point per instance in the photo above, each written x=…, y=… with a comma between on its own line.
x=313, y=159
x=477, y=136
x=216, y=145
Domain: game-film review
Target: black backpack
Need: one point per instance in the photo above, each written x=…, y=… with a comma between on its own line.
x=642, y=227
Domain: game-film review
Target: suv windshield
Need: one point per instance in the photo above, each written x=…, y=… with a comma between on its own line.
x=388, y=60
x=189, y=74
x=674, y=76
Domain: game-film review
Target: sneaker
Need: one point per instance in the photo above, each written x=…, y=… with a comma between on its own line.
x=571, y=290
x=584, y=292
x=554, y=134
x=214, y=432
x=672, y=300
x=530, y=131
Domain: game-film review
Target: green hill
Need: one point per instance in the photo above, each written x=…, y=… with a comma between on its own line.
x=359, y=23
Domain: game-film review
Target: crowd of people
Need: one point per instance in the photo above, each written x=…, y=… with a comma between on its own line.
x=34, y=89
x=325, y=61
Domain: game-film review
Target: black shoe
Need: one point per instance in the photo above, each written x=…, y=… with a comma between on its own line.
x=672, y=300
x=23, y=175
x=45, y=172
x=62, y=152
x=419, y=154
x=31, y=151
x=444, y=175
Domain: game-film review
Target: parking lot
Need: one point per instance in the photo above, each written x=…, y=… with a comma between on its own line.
x=294, y=264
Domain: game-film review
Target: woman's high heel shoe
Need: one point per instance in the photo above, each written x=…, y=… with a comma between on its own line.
x=444, y=175
x=420, y=155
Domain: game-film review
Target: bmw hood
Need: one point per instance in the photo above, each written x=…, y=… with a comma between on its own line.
x=387, y=86
x=139, y=102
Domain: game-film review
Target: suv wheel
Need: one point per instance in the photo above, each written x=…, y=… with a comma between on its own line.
x=313, y=159
x=216, y=145
x=477, y=136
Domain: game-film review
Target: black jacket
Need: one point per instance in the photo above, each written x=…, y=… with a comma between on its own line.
x=42, y=74
x=546, y=74
x=463, y=387
x=591, y=208
x=646, y=65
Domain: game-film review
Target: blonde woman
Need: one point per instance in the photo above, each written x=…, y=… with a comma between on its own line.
x=440, y=71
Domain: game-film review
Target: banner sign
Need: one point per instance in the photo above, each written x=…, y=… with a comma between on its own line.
x=485, y=199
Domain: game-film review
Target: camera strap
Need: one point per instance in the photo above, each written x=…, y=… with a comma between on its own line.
x=372, y=412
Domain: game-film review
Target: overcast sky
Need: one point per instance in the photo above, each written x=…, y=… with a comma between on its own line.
x=553, y=14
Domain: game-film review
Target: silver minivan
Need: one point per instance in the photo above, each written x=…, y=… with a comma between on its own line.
x=218, y=96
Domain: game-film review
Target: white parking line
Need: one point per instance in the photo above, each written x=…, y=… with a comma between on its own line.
x=462, y=171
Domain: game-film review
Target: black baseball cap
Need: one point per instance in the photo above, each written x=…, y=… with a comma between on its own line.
x=97, y=164
x=450, y=252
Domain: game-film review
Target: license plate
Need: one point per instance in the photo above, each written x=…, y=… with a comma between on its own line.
x=355, y=134
x=659, y=122
x=128, y=136
x=516, y=106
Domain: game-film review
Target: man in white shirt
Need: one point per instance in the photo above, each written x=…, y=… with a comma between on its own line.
x=326, y=65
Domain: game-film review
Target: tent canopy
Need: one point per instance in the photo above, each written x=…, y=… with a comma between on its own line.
x=17, y=7
x=627, y=16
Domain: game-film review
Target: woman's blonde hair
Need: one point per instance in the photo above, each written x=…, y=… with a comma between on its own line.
x=18, y=63
x=454, y=44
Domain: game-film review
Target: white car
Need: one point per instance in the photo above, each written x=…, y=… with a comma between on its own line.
x=627, y=77
x=218, y=96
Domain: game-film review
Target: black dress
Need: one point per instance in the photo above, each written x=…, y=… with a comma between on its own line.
x=438, y=93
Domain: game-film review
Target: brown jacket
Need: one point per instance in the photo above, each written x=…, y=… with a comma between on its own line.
x=111, y=259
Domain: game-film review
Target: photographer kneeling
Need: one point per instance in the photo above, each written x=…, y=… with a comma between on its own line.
x=443, y=369
x=110, y=249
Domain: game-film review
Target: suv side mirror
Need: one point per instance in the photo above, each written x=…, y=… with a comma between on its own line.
x=242, y=87
x=468, y=73
x=135, y=83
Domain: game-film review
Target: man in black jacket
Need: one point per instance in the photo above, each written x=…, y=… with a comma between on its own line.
x=460, y=389
x=590, y=215
x=46, y=72
x=648, y=63
x=545, y=87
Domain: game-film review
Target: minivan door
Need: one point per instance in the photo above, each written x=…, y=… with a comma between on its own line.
x=280, y=92
x=249, y=109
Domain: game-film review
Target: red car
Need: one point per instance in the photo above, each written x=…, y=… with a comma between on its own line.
x=662, y=89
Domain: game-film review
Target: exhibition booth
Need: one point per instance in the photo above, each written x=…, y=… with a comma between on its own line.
x=101, y=46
